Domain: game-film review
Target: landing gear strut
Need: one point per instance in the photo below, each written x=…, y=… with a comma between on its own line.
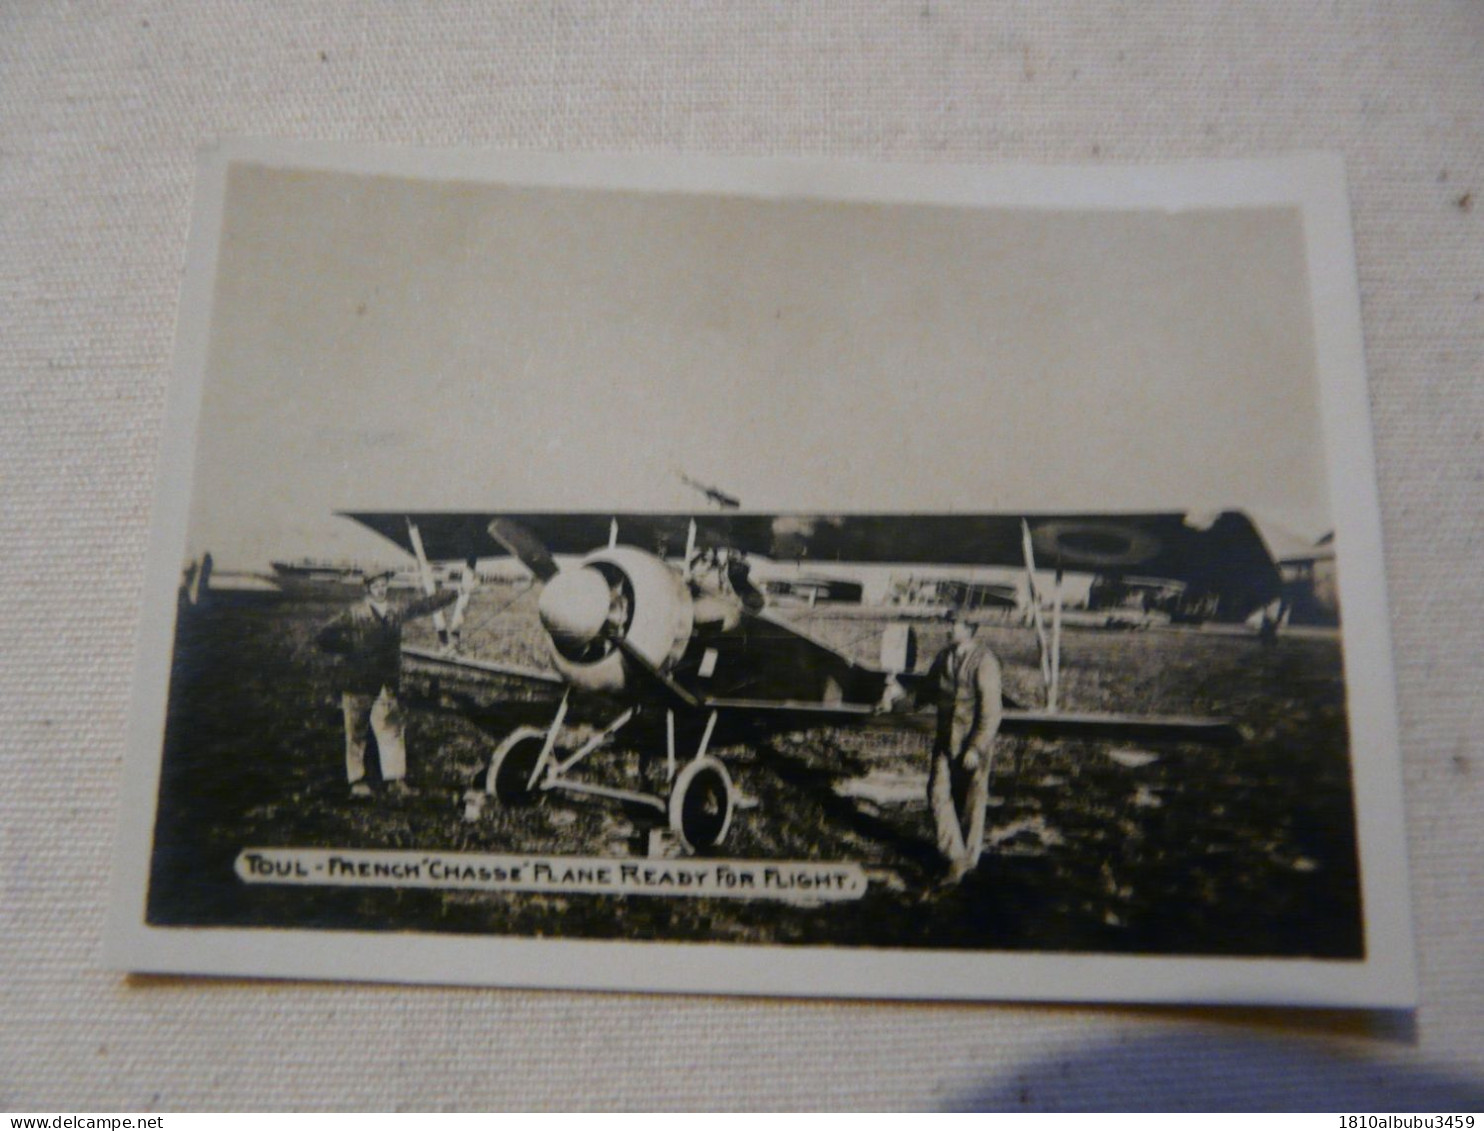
x=698, y=803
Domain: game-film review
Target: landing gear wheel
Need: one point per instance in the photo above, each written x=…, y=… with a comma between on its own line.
x=701, y=805
x=508, y=778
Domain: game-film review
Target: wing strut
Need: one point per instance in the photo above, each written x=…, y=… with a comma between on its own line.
x=425, y=572
x=1050, y=650
x=1055, y=685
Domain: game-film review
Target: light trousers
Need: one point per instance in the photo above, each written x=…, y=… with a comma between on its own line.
x=959, y=798
x=382, y=716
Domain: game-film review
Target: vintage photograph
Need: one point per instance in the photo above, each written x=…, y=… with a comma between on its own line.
x=768, y=577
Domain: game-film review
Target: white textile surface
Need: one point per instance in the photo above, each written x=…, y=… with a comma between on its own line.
x=103, y=107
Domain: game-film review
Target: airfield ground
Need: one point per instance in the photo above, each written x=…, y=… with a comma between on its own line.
x=1095, y=846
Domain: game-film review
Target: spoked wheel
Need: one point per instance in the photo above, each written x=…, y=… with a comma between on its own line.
x=508, y=778
x=701, y=805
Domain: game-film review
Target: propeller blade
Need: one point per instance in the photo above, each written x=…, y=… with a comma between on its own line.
x=525, y=546
x=645, y=668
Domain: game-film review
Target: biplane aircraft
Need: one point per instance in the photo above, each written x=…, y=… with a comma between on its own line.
x=655, y=615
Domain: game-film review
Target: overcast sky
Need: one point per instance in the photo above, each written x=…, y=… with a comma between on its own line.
x=381, y=343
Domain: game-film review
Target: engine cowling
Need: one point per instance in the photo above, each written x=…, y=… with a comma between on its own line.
x=623, y=592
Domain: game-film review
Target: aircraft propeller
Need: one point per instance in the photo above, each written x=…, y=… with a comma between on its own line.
x=526, y=547
x=576, y=606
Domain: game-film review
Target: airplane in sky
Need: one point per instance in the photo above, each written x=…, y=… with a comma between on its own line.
x=655, y=618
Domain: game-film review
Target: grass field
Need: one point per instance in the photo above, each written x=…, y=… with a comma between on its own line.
x=1094, y=846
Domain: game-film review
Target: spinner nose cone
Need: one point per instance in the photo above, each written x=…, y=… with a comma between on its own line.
x=574, y=607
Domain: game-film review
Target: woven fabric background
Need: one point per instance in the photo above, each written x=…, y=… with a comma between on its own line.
x=102, y=109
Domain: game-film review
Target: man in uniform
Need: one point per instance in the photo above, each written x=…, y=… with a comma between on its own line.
x=369, y=637
x=965, y=680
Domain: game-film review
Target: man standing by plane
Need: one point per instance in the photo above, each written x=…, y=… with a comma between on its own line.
x=965, y=680
x=369, y=637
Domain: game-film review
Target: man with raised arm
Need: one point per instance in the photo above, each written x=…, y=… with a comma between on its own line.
x=369, y=639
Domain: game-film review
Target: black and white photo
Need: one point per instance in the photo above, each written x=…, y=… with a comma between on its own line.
x=768, y=577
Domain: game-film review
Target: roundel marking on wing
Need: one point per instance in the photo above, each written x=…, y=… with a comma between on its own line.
x=1099, y=544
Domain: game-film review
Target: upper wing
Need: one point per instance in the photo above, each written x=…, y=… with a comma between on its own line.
x=1221, y=554
x=456, y=536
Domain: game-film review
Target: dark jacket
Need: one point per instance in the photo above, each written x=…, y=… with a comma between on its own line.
x=966, y=688
x=371, y=643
